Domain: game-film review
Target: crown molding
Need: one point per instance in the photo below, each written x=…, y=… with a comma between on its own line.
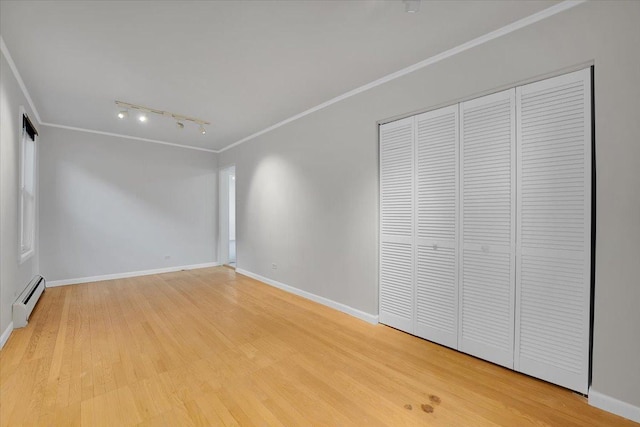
x=514, y=26
x=16, y=74
x=135, y=138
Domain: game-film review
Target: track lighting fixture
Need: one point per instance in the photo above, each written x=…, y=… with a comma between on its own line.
x=143, y=111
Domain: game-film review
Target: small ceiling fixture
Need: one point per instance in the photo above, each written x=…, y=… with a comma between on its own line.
x=142, y=117
x=412, y=6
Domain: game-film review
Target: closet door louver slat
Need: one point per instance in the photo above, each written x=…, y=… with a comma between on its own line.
x=554, y=224
x=436, y=287
x=396, y=224
x=487, y=224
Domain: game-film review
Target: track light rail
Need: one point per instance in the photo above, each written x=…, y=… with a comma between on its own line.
x=178, y=117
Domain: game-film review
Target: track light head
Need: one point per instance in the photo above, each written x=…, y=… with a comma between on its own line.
x=123, y=114
x=180, y=125
x=202, y=130
x=142, y=117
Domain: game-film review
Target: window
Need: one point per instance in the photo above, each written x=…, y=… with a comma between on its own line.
x=27, y=188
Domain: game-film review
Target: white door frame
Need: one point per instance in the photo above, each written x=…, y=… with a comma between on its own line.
x=223, y=214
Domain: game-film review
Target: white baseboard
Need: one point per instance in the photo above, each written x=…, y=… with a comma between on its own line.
x=128, y=274
x=614, y=405
x=5, y=335
x=370, y=318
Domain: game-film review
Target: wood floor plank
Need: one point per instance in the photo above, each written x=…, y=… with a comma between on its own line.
x=212, y=347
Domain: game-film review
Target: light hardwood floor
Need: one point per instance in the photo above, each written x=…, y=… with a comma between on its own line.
x=212, y=347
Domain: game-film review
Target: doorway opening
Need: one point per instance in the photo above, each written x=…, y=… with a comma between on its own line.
x=232, y=220
x=227, y=248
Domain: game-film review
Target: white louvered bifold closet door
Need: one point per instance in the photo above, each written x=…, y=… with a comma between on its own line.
x=436, y=287
x=554, y=230
x=396, y=224
x=487, y=261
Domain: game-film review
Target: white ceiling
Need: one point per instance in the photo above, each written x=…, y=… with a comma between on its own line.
x=243, y=65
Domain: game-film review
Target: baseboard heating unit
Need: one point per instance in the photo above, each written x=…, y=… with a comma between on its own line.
x=27, y=300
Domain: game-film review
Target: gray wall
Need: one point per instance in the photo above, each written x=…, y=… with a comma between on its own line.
x=14, y=276
x=307, y=192
x=113, y=205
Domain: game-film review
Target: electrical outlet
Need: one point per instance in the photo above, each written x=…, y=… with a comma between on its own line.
x=274, y=266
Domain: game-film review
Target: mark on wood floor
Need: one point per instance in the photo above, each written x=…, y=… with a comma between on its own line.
x=427, y=408
x=408, y=406
x=434, y=399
